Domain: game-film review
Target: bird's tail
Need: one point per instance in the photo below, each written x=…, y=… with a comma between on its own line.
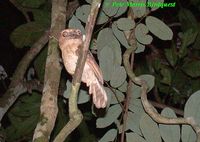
x=98, y=94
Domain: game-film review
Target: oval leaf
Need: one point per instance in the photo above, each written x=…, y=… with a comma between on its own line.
x=109, y=136
x=171, y=55
x=158, y=28
x=111, y=116
x=83, y=95
x=169, y=133
x=191, y=68
x=191, y=110
x=133, y=122
x=123, y=87
x=83, y=11
x=150, y=79
x=136, y=106
x=107, y=39
x=118, y=94
x=149, y=129
x=125, y=24
x=155, y=1
x=75, y=23
x=139, y=8
x=120, y=36
x=121, y=9
x=108, y=8
x=118, y=76
x=133, y=137
x=141, y=34
x=26, y=34
x=140, y=48
x=32, y=3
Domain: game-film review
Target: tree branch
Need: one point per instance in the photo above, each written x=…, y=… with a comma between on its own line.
x=74, y=113
x=16, y=87
x=150, y=110
x=22, y=9
x=49, y=109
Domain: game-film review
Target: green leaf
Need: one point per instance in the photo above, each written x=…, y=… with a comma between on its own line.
x=192, y=107
x=191, y=68
x=133, y=122
x=42, y=17
x=155, y=1
x=118, y=76
x=106, y=62
x=62, y=118
x=31, y=3
x=40, y=63
x=187, y=19
x=108, y=51
x=106, y=39
x=149, y=129
x=27, y=106
x=83, y=95
x=123, y=87
x=120, y=35
x=140, y=48
x=169, y=133
x=109, y=136
x=141, y=34
x=125, y=24
x=108, y=8
x=109, y=95
x=83, y=11
x=170, y=54
x=158, y=28
x=136, y=90
x=167, y=77
x=26, y=34
x=197, y=40
x=111, y=116
x=191, y=110
x=118, y=94
x=24, y=128
x=136, y=106
x=157, y=64
x=133, y=137
x=122, y=9
x=23, y=117
x=76, y=24
x=150, y=79
x=139, y=10
x=187, y=38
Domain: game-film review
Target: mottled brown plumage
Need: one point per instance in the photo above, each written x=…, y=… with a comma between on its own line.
x=70, y=41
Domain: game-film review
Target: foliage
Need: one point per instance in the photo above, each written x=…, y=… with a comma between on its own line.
x=173, y=71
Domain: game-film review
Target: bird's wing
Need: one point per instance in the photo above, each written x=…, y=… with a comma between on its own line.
x=95, y=67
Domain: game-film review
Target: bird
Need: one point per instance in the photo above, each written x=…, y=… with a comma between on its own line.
x=70, y=43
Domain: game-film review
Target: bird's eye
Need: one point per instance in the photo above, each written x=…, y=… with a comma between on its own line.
x=65, y=34
x=78, y=32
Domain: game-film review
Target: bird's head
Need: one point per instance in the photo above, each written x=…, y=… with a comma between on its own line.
x=70, y=36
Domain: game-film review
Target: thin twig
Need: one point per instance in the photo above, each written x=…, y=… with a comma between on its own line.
x=16, y=87
x=74, y=113
x=150, y=110
x=20, y=8
x=115, y=95
x=132, y=41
